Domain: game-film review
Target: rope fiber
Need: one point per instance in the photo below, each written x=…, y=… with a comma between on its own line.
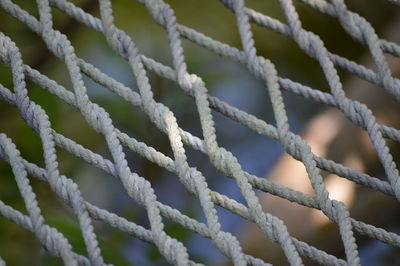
x=138, y=187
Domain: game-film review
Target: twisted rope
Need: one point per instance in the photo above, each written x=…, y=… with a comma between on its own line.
x=138, y=188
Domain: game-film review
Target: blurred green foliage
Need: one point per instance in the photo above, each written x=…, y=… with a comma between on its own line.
x=18, y=246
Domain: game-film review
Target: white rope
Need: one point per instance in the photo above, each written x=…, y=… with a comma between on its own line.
x=138, y=188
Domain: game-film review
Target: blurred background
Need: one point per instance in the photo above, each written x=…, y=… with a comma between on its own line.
x=225, y=79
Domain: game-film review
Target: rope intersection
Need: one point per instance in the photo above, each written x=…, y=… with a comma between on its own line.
x=140, y=189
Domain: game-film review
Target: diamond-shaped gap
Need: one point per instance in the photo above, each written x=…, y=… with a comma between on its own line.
x=54, y=69
x=234, y=224
x=181, y=199
x=44, y=197
x=385, y=214
x=247, y=145
x=125, y=116
x=389, y=30
x=28, y=41
x=148, y=36
x=246, y=231
x=289, y=60
x=378, y=99
x=75, y=127
x=213, y=71
x=270, y=8
x=163, y=181
x=360, y=155
x=318, y=237
x=140, y=252
x=227, y=79
x=105, y=191
x=380, y=102
x=339, y=156
x=99, y=187
x=109, y=193
x=273, y=45
x=289, y=173
x=84, y=40
x=330, y=31
x=56, y=214
x=47, y=101
x=194, y=14
x=361, y=201
x=6, y=81
x=136, y=251
x=189, y=238
x=287, y=63
x=229, y=222
x=72, y=117
x=366, y=201
x=28, y=142
x=176, y=100
x=35, y=52
x=374, y=252
x=170, y=191
x=256, y=243
x=239, y=147
x=394, y=150
x=393, y=63
x=70, y=26
x=206, y=64
x=10, y=194
x=94, y=49
x=215, y=180
x=30, y=7
x=143, y=129
x=71, y=165
x=360, y=152
x=60, y=216
x=209, y=66
x=11, y=245
x=299, y=111
x=348, y=48
x=378, y=13
x=354, y=85
x=306, y=229
x=118, y=247
x=156, y=175
x=347, y=78
x=207, y=254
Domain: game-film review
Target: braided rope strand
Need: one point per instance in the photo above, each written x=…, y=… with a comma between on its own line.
x=140, y=189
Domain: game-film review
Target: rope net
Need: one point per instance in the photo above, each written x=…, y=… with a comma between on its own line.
x=140, y=189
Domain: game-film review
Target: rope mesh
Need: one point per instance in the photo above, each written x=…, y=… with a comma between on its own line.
x=224, y=161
